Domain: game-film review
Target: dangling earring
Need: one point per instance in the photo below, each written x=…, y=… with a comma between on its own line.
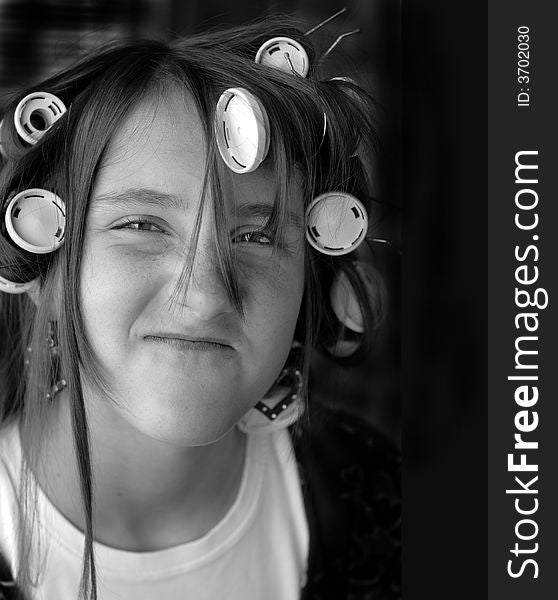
x=272, y=407
x=54, y=350
x=52, y=340
x=280, y=407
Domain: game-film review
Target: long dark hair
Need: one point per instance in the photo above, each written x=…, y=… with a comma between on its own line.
x=100, y=92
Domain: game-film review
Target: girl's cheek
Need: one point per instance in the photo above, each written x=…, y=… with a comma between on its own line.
x=265, y=287
x=273, y=288
x=279, y=272
x=114, y=273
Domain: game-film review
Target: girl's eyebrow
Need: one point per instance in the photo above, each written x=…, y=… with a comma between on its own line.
x=262, y=210
x=131, y=197
x=134, y=196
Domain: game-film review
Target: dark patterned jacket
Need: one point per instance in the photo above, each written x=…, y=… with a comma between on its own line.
x=351, y=482
x=352, y=487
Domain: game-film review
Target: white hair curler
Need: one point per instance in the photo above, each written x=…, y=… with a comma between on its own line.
x=35, y=114
x=35, y=220
x=285, y=54
x=242, y=130
x=345, y=304
x=344, y=299
x=336, y=223
x=12, y=287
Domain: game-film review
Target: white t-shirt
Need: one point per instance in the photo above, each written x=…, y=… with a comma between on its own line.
x=258, y=550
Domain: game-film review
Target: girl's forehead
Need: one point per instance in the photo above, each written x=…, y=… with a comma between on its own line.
x=161, y=146
x=157, y=136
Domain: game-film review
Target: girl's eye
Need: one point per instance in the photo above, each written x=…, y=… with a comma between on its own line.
x=254, y=237
x=139, y=224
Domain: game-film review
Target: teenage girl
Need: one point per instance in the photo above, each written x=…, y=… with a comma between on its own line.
x=181, y=225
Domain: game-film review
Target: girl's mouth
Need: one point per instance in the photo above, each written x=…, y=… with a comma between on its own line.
x=191, y=343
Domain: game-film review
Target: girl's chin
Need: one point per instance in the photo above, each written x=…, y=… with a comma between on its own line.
x=184, y=416
x=187, y=435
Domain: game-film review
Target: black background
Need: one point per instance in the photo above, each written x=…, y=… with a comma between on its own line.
x=445, y=299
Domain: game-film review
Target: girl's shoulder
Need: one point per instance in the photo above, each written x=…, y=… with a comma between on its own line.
x=352, y=483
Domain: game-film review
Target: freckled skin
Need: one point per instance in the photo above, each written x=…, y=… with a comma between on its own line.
x=184, y=397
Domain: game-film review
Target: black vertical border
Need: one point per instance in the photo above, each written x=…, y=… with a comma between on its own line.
x=445, y=317
x=513, y=129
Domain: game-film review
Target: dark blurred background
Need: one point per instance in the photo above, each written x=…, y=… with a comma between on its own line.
x=38, y=37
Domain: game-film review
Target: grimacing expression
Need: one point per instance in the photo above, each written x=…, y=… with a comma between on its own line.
x=182, y=365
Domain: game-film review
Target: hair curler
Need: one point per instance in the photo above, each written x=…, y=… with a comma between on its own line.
x=285, y=54
x=13, y=287
x=35, y=220
x=242, y=130
x=336, y=223
x=35, y=114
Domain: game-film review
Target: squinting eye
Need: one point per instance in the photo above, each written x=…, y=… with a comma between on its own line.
x=140, y=225
x=254, y=237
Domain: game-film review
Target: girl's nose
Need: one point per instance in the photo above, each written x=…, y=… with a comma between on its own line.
x=206, y=294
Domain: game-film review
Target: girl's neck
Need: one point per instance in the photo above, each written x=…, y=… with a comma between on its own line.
x=148, y=495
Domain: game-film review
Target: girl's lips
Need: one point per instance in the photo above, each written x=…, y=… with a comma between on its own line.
x=200, y=344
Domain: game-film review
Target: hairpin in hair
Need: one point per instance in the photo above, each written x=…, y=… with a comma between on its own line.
x=326, y=21
x=385, y=242
x=342, y=36
x=286, y=54
x=290, y=62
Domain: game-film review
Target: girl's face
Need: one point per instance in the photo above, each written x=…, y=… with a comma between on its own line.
x=183, y=368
